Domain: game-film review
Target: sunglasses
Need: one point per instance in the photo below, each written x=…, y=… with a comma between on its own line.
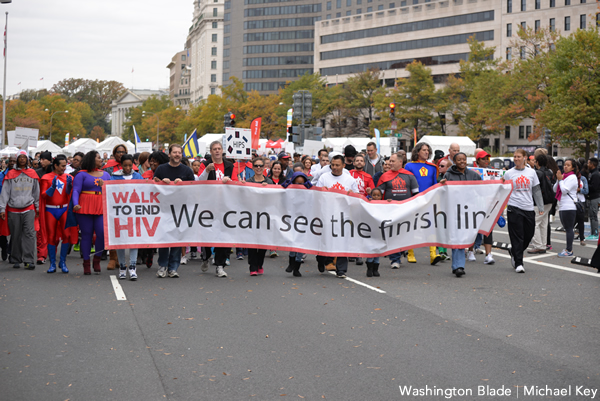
x=259, y=165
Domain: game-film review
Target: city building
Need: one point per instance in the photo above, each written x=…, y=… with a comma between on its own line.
x=131, y=98
x=179, y=80
x=205, y=44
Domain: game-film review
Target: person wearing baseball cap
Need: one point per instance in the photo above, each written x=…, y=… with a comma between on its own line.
x=284, y=158
x=482, y=159
x=349, y=154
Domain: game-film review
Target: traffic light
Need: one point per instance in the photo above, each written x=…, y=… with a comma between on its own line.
x=392, y=110
x=289, y=133
x=232, y=120
x=227, y=120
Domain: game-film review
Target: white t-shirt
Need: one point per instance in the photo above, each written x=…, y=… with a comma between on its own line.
x=314, y=168
x=524, y=181
x=326, y=169
x=567, y=186
x=345, y=182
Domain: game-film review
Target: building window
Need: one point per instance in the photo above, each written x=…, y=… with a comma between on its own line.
x=567, y=2
x=528, y=131
x=507, y=132
x=213, y=51
x=215, y=25
x=214, y=37
x=328, y=16
x=508, y=30
x=213, y=65
x=328, y=5
x=521, y=132
x=348, y=13
x=567, y=23
x=183, y=57
x=582, y=1
x=358, y=2
x=359, y=10
x=553, y=3
x=338, y=15
x=213, y=91
x=369, y=9
x=582, y=21
x=392, y=5
x=338, y=4
x=213, y=77
x=537, y=25
x=215, y=12
x=524, y=25
x=523, y=5
x=552, y=24
x=509, y=53
x=509, y=6
x=380, y=7
x=538, y=4
x=523, y=52
x=348, y=3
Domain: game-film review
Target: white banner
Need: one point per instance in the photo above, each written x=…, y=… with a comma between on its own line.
x=488, y=174
x=142, y=214
x=20, y=136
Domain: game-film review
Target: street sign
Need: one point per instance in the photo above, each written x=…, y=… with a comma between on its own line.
x=397, y=135
x=387, y=132
x=394, y=124
x=394, y=142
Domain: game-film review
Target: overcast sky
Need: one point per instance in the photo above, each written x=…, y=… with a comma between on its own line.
x=93, y=39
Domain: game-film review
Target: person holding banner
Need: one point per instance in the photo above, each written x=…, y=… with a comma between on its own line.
x=520, y=208
x=397, y=184
x=217, y=169
x=87, y=205
x=173, y=172
x=336, y=179
x=364, y=181
x=56, y=214
x=426, y=174
x=19, y=206
x=374, y=161
x=323, y=156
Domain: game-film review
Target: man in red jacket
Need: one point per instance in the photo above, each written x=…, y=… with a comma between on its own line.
x=364, y=181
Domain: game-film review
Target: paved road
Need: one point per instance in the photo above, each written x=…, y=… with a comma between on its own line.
x=315, y=337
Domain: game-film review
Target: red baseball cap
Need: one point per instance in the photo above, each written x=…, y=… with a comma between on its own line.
x=482, y=154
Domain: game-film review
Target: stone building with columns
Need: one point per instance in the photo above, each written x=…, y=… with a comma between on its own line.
x=131, y=98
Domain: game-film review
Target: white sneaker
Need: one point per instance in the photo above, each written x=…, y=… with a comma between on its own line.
x=193, y=255
x=122, y=274
x=221, y=272
x=173, y=274
x=489, y=260
x=132, y=274
x=183, y=260
x=395, y=265
x=162, y=272
x=204, y=266
x=471, y=257
x=520, y=269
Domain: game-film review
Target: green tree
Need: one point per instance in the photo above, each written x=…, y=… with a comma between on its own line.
x=362, y=92
x=268, y=107
x=152, y=106
x=574, y=91
x=316, y=85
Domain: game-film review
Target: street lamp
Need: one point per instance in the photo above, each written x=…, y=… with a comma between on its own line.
x=598, y=132
x=51, y=117
x=144, y=114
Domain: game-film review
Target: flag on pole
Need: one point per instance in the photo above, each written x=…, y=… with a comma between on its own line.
x=377, y=138
x=255, y=132
x=136, y=136
x=190, y=147
x=42, y=78
x=67, y=139
x=5, y=40
x=415, y=136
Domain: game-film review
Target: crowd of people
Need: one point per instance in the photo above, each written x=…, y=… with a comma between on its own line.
x=50, y=201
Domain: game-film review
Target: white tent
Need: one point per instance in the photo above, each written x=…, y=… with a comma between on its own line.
x=205, y=140
x=337, y=144
x=9, y=151
x=109, y=144
x=130, y=147
x=443, y=143
x=46, y=146
x=81, y=145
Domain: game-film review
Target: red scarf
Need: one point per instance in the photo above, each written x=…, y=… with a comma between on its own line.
x=390, y=175
x=14, y=173
x=558, y=191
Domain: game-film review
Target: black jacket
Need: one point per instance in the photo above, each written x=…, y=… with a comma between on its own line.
x=454, y=175
x=594, y=184
x=212, y=176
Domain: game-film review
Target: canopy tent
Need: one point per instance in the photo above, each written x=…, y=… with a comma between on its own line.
x=130, y=147
x=442, y=143
x=205, y=140
x=109, y=144
x=278, y=144
x=46, y=146
x=81, y=145
x=337, y=144
x=9, y=151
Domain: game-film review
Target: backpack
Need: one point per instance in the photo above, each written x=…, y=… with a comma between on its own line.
x=545, y=178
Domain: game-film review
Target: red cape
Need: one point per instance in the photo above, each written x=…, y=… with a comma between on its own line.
x=390, y=175
x=69, y=234
x=114, y=163
x=12, y=174
x=148, y=174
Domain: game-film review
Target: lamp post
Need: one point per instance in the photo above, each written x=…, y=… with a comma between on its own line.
x=144, y=114
x=598, y=132
x=51, y=117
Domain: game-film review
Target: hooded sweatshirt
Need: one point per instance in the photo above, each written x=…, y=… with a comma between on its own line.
x=454, y=175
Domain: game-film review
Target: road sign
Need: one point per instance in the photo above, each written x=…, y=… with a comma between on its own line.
x=394, y=142
x=394, y=124
x=397, y=135
x=387, y=132
x=237, y=143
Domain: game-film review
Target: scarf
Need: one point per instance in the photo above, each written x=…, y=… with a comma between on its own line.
x=558, y=191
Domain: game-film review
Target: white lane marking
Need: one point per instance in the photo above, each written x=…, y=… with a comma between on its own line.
x=560, y=241
x=544, y=255
x=569, y=269
x=118, y=290
x=361, y=283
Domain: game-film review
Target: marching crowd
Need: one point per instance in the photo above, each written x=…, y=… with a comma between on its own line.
x=50, y=201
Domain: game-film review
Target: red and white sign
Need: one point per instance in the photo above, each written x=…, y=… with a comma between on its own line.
x=142, y=214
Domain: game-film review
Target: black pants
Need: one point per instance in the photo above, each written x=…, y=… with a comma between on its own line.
x=580, y=223
x=521, y=227
x=221, y=255
x=256, y=258
x=341, y=264
x=567, y=219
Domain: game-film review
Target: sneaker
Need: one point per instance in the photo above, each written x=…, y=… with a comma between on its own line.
x=459, y=272
x=548, y=247
x=273, y=254
x=536, y=251
x=193, y=255
x=444, y=256
x=479, y=251
x=204, y=266
x=582, y=243
x=17, y=266
x=41, y=261
x=239, y=256
x=471, y=257
x=132, y=273
x=254, y=273
x=122, y=274
x=28, y=266
x=565, y=254
x=227, y=262
x=260, y=271
x=489, y=260
x=592, y=237
x=359, y=261
x=173, y=274
x=76, y=247
x=162, y=272
x=395, y=265
x=520, y=269
x=213, y=260
x=221, y=272
x=183, y=260
x=341, y=275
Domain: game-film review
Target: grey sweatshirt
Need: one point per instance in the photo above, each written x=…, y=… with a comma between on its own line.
x=20, y=193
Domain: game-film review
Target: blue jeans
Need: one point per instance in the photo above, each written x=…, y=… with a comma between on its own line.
x=395, y=257
x=132, y=256
x=373, y=260
x=478, y=241
x=297, y=255
x=458, y=258
x=169, y=258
